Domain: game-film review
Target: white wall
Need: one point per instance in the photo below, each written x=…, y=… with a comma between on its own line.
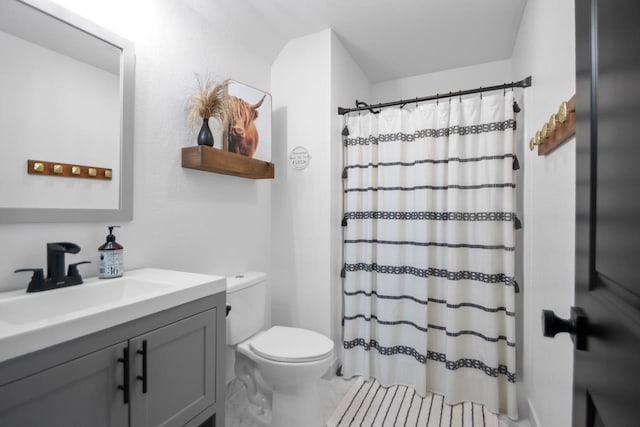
x=301, y=85
x=311, y=77
x=183, y=219
x=488, y=74
x=545, y=49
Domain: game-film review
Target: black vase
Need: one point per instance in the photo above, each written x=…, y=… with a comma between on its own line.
x=205, y=137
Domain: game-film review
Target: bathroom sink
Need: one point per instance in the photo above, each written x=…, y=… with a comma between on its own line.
x=33, y=321
x=66, y=303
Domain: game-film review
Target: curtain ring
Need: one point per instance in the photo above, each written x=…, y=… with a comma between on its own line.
x=437, y=98
x=480, y=93
x=449, y=97
x=504, y=89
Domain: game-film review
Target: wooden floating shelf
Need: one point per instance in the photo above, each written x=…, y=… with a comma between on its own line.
x=209, y=159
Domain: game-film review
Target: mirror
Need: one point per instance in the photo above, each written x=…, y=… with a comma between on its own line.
x=67, y=89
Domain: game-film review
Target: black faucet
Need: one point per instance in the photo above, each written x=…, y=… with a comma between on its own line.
x=55, y=260
x=55, y=269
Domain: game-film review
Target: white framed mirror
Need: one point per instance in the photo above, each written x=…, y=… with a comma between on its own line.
x=67, y=94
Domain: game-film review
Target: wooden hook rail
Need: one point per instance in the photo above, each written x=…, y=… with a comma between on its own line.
x=69, y=170
x=560, y=127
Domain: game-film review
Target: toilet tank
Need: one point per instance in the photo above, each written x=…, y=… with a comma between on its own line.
x=247, y=296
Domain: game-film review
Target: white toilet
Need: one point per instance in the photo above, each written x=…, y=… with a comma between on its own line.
x=280, y=366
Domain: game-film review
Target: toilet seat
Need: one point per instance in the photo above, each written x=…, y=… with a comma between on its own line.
x=285, y=344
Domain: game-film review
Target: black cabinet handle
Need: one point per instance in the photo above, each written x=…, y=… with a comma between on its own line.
x=125, y=386
x=143, y=377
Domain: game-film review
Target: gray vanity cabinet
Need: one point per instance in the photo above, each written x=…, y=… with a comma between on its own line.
x=175, y=366
x=81, y=392
x=180, y=372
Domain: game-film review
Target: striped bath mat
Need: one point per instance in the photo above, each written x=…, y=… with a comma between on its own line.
x=368, y=404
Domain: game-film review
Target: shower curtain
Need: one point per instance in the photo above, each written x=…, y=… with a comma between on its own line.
x=429, y=241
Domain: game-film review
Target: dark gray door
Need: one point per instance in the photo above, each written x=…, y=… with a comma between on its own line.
x=82, y=392
x=178, y=381
x=607, y=373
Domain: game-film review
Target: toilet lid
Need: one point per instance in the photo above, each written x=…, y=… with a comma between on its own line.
x=284, y=344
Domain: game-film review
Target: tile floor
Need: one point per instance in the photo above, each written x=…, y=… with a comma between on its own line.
x=237, y=405
x=331, y=392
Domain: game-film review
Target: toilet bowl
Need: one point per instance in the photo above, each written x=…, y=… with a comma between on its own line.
x=281, y=366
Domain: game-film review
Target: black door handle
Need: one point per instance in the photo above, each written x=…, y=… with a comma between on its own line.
x=125, y=375
x=577, y=326
x=143, y=377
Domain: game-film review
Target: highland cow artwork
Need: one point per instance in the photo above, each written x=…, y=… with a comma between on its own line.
x=249, y=132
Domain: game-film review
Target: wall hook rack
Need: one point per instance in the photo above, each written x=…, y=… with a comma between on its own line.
x=69, y=170
x=560, y=127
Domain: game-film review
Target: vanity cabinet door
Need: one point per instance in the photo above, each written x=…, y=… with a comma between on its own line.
x=179, y=374
x=81, y=392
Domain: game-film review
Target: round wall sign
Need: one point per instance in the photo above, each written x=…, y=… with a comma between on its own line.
x=299, y=158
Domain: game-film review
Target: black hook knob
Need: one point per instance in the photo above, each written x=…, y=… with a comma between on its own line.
x=576, y=326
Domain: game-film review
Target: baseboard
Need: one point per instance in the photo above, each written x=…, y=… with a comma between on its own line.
x=533, y=418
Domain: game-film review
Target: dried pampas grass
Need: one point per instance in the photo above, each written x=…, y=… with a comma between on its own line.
x=209, y=100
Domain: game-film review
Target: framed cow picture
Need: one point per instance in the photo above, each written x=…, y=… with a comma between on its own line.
x=249, y=130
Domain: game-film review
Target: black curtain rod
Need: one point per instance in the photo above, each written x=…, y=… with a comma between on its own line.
x=526, y=82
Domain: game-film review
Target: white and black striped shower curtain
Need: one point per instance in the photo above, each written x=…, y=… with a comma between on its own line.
x=429, y=249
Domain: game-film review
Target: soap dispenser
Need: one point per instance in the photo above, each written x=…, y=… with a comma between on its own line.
x=110, y=256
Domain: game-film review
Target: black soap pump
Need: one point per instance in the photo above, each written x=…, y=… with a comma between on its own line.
x=110, y=256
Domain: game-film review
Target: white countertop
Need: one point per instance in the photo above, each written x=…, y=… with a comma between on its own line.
x=34, y=321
